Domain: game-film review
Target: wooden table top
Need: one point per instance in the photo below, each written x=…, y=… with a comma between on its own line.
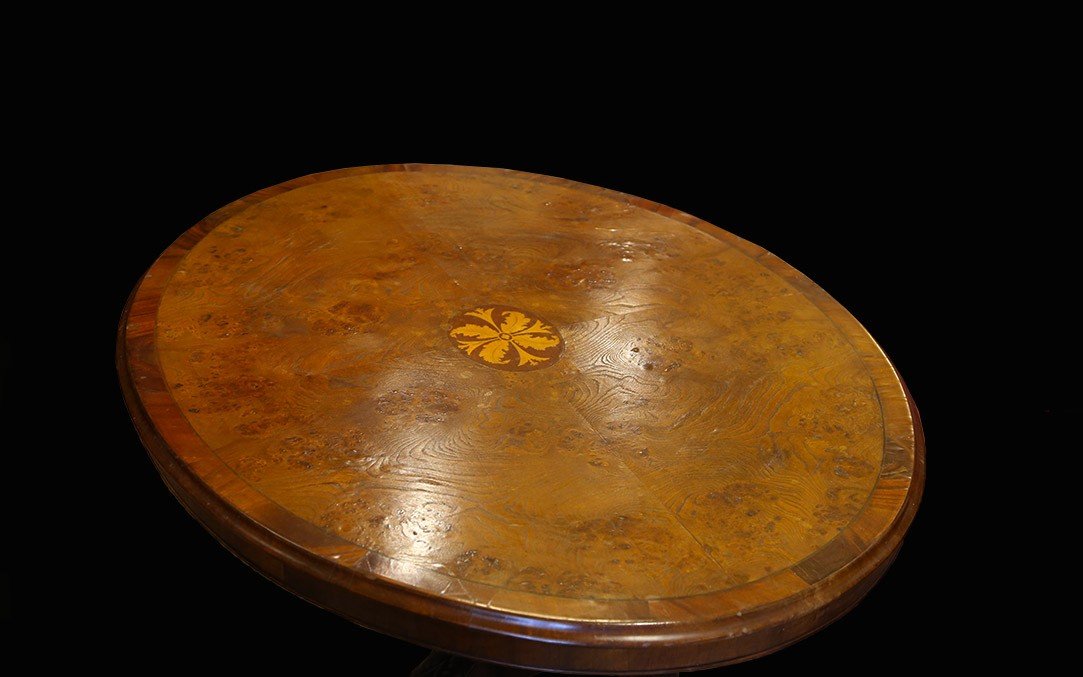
x=522, y=419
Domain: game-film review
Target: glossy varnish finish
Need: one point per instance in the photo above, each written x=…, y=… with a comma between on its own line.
x=521, y=418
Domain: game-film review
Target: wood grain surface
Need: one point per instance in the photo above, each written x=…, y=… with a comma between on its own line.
x=522, y=419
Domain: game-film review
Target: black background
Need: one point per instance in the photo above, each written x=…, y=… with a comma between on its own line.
x=853, y=206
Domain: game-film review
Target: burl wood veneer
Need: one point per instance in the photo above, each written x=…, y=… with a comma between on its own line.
x=522, y=419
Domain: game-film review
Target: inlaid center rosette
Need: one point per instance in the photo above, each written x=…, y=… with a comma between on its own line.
x=506, y=338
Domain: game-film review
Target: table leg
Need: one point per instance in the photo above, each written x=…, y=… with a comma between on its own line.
x=440, y=664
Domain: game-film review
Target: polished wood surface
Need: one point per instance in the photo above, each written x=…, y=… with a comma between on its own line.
x=522, y=419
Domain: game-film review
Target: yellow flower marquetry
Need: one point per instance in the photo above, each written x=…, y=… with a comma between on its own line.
x=506, y=338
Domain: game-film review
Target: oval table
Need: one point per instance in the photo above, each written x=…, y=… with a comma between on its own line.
x=521, y=419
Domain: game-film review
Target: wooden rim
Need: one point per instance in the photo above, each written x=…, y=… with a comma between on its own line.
x=707, y=629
